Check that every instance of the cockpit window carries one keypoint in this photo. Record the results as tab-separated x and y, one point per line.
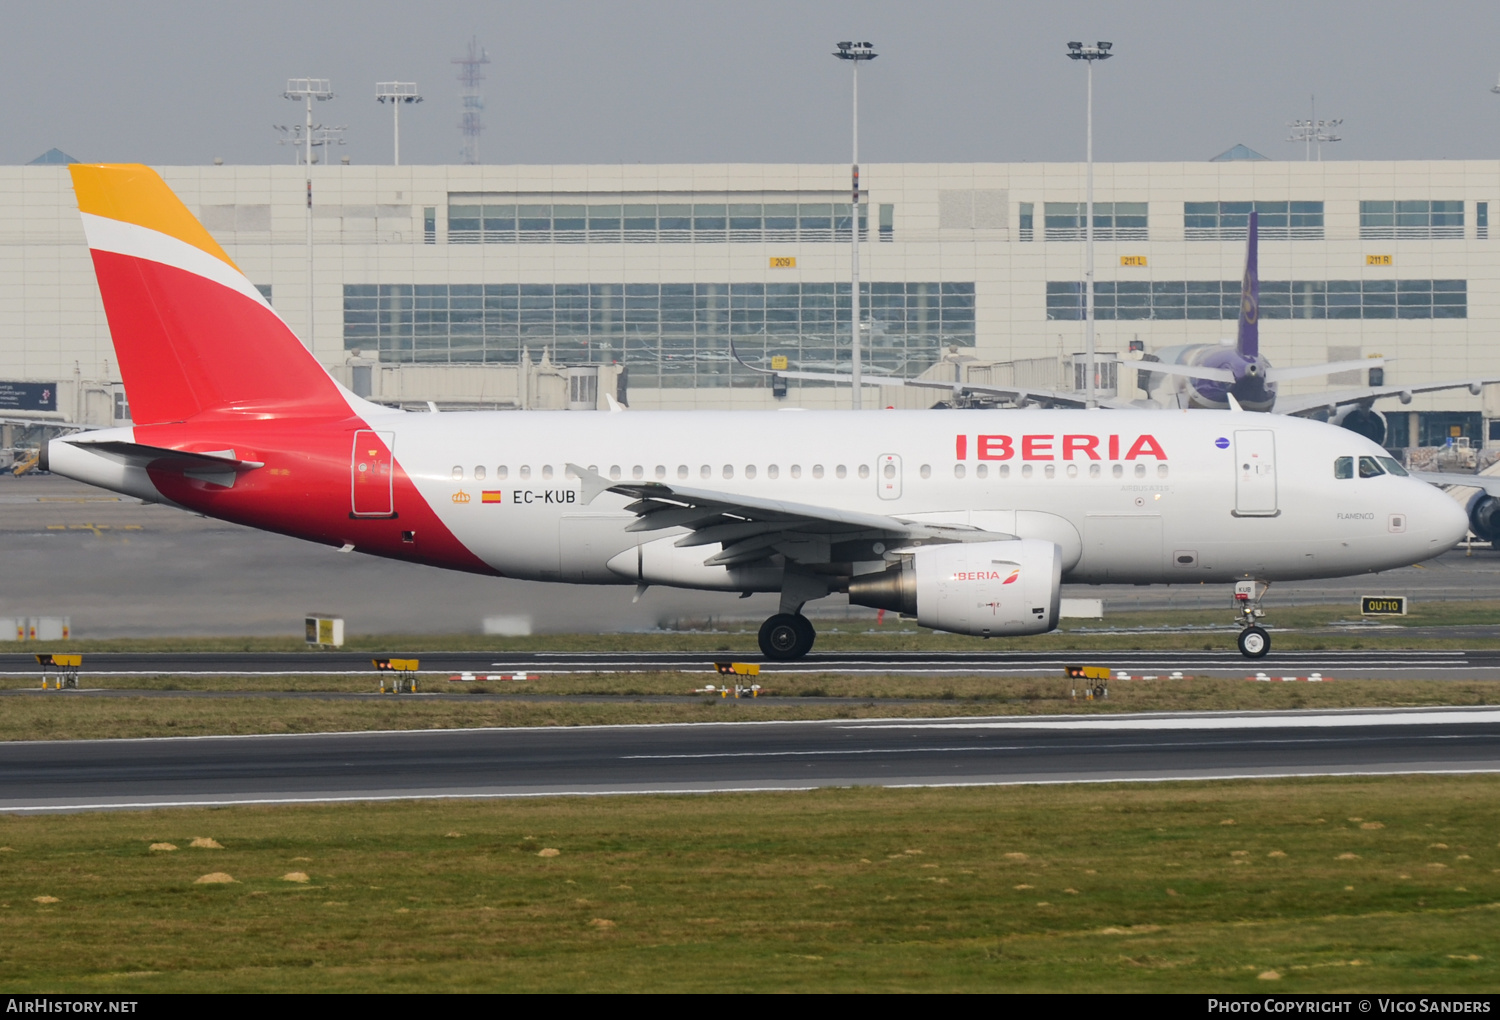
1343	467
1393	466
1369	467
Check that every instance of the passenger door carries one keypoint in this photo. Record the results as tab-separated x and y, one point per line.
1255	473
372	474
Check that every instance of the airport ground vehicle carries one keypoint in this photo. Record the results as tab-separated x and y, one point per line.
968	521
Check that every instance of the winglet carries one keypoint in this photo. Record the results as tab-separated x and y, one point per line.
1248	340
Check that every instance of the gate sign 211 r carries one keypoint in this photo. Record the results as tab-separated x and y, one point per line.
28	396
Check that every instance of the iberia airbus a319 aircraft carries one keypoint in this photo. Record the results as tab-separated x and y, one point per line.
970	521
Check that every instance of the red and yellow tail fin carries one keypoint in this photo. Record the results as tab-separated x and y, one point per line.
191	333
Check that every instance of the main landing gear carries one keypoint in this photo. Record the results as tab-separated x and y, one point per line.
1254	641
787	636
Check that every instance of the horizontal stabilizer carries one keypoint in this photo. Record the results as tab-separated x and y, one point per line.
220	467
1311	371
1222	375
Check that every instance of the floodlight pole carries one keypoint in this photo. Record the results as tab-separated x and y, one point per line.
308	89
1089	54
854	52
396	93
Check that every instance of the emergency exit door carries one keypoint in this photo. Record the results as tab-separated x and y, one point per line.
1255	467
372	473
888	476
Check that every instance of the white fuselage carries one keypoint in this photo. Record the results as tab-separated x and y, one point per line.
1180	508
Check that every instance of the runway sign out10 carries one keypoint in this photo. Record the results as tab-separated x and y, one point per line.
1382	605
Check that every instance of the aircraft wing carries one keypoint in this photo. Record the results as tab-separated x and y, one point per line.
1188	371
1328	368
1310	403
1018	394
1445	479
748	529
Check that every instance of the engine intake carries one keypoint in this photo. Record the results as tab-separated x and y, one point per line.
1484	516
986	589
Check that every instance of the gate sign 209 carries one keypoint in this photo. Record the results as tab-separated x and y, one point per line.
28	396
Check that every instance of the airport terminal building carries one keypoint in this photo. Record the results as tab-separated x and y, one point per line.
550	286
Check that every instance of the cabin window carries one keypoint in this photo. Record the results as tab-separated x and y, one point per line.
1369	467
864	470
958	471
1050	471
614	472
772	471
682	470
1393	466
1140	471
728	470
479	473
926	471
1026	471
547	471
705	472
661	471
458	473
981	470
1072	470
525	470
637	472
817	470
1118	470
1161	471
796	470
842	471
749	470
502	472
1094	471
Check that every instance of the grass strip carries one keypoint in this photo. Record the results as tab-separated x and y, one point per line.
1292	886
69	716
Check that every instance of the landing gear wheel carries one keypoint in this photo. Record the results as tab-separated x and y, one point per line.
1254	642
786	636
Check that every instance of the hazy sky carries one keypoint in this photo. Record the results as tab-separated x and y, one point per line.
655	81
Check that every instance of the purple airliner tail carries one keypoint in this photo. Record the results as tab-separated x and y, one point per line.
1248	341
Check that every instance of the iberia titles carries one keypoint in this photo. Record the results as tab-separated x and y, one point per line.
1054	447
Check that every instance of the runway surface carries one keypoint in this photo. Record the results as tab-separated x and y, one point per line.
1458	664
718	757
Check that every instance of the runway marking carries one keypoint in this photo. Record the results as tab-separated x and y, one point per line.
704	790
1178	745
1480	716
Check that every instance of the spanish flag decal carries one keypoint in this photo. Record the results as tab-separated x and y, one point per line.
491	496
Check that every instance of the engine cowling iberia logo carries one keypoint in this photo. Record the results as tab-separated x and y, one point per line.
987	575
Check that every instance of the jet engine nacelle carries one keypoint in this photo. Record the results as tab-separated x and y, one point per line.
1364	421
986	589
1484	516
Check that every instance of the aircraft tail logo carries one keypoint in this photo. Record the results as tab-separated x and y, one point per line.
1248	340
192	335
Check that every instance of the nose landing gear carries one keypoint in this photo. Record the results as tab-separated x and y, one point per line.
787	636
1254	641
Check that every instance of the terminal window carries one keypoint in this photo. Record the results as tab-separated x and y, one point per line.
666	334
1413	219
1279	299
1230	221
1113	221
483	221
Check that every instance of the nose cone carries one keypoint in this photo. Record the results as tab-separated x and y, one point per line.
1439	520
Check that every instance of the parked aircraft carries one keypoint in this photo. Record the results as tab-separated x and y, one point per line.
970	522
1207	376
